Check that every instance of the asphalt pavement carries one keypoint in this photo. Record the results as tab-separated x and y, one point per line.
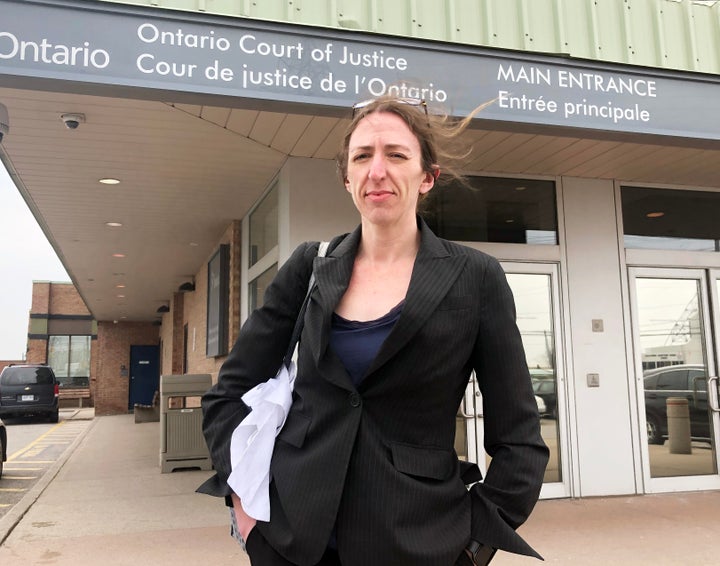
106	503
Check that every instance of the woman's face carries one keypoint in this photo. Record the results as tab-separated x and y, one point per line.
384	171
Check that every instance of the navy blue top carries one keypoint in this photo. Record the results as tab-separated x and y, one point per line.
357	343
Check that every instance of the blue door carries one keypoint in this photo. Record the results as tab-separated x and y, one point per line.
144	374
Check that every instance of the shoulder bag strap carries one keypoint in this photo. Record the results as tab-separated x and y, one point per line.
297	330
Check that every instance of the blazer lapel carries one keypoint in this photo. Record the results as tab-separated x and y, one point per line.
332	276
433	275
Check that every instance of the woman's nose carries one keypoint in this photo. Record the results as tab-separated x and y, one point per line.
377	167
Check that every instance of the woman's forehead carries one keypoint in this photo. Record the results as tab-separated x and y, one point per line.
387	127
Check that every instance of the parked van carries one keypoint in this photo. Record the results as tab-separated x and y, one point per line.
29	390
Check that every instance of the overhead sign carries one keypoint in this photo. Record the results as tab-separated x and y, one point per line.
129	46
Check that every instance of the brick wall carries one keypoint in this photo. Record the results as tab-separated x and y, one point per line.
235	235
64	299
111	383
195	309
40	297
36	351
178	322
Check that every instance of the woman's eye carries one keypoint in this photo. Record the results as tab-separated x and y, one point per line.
397	156
360	156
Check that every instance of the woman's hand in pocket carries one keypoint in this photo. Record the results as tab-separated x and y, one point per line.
245	522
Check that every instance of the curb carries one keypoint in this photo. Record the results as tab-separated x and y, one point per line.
15	515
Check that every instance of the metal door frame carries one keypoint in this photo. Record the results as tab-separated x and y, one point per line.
711	325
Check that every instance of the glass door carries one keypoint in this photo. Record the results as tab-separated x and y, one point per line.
536	294
673	311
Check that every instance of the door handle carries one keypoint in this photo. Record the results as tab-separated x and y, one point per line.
461	413
714	406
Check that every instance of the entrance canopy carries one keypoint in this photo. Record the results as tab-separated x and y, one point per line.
195	115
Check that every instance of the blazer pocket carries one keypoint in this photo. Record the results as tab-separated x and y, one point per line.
455	302
295	429
422	461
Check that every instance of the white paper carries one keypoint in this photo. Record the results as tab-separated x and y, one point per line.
253	440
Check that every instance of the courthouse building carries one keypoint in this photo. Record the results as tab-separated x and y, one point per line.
176	151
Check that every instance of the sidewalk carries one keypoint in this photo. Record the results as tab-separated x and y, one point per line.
109	504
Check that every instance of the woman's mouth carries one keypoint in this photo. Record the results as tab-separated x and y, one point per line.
378	195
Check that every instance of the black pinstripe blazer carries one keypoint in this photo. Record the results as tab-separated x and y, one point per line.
378	462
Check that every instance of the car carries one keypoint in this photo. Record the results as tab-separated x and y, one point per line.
545	389
543	383
29	389
686	381
3	446
542	408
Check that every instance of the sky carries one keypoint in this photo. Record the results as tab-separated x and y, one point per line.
25	256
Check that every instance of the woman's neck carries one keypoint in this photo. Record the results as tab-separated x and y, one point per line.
389	243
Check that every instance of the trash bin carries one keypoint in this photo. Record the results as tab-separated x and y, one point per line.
182	444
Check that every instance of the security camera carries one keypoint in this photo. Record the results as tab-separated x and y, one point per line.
4	122
72	121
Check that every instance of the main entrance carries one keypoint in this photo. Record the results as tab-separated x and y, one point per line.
676	332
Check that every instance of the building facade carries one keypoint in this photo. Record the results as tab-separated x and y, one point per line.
594	171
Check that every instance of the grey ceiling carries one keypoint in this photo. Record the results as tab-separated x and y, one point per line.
187	171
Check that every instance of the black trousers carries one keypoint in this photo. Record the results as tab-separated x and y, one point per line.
262	554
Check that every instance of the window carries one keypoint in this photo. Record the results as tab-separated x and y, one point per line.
218	295
263	253
264	227
27	376
69	357
258	286
494	209
666	219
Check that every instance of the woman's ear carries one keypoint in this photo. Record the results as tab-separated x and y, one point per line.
428	183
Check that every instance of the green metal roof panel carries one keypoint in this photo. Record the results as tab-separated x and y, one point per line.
673	34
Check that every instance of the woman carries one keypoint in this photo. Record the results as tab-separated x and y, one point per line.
364	471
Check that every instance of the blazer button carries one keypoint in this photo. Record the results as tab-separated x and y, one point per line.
355	399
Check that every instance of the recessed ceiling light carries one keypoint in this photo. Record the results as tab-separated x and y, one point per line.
109	181
118	255
509	221
113	224
120	296
655	214
194	244
521	188
120	286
